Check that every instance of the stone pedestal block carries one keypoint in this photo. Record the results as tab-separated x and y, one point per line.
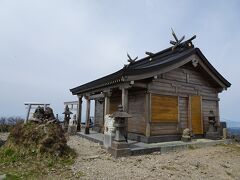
72	130
186	138
119	149
86	130
212	135
108	140
225	133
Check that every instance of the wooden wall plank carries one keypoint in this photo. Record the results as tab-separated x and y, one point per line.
183	112
136	108
114	102
163	129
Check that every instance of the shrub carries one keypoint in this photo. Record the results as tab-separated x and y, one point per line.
6	124
40	138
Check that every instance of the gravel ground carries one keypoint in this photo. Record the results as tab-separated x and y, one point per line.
218	162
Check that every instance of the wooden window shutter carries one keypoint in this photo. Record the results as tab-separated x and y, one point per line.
164	108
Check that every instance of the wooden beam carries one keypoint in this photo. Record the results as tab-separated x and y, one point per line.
140	85
71	102
33	103
102	88
96	96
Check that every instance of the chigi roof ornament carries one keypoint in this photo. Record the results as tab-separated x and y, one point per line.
178	42
130	60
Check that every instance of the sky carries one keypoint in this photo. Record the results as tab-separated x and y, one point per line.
50	46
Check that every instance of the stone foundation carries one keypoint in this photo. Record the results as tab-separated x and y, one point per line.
153	139
212	135
119	149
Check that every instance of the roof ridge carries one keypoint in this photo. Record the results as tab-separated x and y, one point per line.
165	52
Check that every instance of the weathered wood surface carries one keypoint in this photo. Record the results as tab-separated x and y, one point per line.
115	100
180	83
99	114
164	108
136	107
164	128
87	112
183	112
184	82
196	115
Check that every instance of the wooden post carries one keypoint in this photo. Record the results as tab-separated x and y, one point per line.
79	113
125	107
45	105
107	102
87	115
125	99
28	112
147	115
189	114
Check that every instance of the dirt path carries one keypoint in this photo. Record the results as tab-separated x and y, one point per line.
219	162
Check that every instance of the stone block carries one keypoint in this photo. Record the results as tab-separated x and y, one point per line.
108	140
212	135
119	149
72	130
186	138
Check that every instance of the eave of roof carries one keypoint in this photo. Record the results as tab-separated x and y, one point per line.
158	60
210	66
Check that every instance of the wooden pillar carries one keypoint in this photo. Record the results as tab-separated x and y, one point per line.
87	115
189	113
125	108
79	113
125	99
218	114
107	102
148	114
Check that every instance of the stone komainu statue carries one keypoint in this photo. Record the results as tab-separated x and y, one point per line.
186	132
186	136
48	114
41	115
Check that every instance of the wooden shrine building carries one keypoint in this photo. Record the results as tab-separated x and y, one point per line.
165	92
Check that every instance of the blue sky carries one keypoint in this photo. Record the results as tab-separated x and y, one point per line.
50	46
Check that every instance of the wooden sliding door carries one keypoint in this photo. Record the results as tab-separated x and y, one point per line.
196	114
